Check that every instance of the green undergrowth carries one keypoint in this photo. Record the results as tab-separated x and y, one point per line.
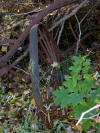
79	90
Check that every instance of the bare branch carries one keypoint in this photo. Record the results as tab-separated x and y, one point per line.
79	36
60	32
67	16
86	112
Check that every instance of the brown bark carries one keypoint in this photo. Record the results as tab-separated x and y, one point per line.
36	20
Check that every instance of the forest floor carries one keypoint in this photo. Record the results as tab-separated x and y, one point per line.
76	35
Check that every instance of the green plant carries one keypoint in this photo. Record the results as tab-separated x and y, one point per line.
2	93
57	127
76	90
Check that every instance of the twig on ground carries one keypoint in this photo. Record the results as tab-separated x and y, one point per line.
13	26
21	70
92	117
19	59
23	14
87	111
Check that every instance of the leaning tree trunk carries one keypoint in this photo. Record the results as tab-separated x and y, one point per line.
33	49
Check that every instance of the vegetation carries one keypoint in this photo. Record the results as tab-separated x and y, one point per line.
50	66
76	91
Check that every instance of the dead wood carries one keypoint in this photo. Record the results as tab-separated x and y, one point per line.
4	59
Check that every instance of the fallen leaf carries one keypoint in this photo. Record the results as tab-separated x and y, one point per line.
33	101
4	49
